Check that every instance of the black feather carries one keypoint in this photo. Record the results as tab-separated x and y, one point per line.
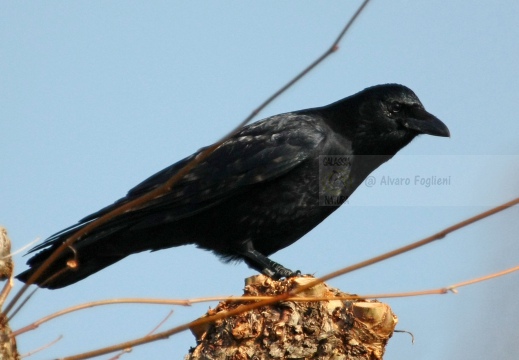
258	192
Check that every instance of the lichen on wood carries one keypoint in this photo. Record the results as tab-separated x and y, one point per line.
325	329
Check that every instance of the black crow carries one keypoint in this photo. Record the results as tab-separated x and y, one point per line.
258	192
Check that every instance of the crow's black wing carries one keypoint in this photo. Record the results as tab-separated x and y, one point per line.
257	153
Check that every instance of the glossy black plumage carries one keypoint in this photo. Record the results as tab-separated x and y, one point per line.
258	192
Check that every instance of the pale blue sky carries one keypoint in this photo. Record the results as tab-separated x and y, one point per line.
96	96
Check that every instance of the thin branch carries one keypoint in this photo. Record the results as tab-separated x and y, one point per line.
334	47
189	302
23	248
125	351
92	304
166	334
42	347
6	289
483	278
161	323
449	289
283	297
180	174
401	250
27	298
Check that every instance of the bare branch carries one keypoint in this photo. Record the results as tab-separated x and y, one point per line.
22	249
125	351
483	278
189	302
180	174
27	298
248	307
6	290
92	304
46	346
401	250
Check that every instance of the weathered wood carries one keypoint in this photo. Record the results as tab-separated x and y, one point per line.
330	329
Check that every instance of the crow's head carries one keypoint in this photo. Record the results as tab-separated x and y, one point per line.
384	118
394	108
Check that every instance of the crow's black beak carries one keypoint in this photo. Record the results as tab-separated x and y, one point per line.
425	123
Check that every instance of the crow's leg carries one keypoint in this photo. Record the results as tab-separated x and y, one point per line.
263	264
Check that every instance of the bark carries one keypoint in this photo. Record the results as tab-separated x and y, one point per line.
8	350
330	329
6	261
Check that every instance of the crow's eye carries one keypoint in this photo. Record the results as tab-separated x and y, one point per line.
395	107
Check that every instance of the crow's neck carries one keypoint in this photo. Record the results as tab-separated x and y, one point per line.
370	150
344	118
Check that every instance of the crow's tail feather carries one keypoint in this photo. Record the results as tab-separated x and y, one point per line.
83	258
59	274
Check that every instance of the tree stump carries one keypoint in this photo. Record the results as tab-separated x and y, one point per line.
324	329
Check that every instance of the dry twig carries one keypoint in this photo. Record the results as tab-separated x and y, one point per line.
46	346
188	302
285	296
160	191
